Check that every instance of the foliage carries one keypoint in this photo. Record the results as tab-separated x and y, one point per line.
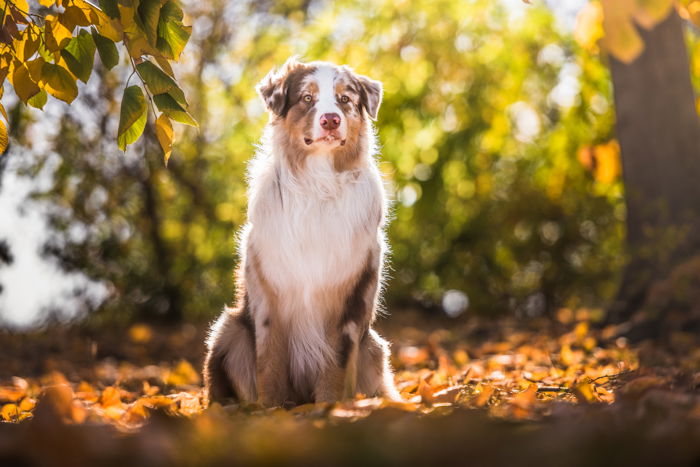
614	23
495	138
469	390
47	47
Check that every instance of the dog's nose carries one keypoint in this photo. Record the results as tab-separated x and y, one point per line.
330	121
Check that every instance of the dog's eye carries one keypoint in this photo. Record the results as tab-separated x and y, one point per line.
344	99
308	98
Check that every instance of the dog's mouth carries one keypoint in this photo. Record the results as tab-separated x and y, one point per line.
330	138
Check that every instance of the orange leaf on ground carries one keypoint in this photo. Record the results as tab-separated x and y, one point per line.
110	397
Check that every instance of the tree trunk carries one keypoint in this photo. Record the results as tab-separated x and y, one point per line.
659	135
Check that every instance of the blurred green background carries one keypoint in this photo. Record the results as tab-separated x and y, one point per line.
497	146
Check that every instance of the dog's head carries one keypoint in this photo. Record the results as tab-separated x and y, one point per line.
321	107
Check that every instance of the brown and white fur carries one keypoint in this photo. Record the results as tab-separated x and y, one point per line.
312	250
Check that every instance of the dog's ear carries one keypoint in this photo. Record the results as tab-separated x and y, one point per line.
274	87
370	95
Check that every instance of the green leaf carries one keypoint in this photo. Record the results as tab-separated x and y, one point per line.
59	83
148	12
132	118
38	100
164	133
172	34
107	50
110	8
172	109
159	82
79	55
44	52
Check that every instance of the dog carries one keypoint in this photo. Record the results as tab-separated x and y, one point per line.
312	251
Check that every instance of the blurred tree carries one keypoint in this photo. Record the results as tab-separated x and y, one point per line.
485	115
659	134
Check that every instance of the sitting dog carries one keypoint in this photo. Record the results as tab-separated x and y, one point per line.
311	252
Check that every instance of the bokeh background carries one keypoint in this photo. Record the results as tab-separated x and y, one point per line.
497	147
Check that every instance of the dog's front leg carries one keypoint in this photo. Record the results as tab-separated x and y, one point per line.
272	368
340	379
271	344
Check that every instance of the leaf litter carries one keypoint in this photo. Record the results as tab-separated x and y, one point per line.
465	388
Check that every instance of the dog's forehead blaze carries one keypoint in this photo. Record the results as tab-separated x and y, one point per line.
329	80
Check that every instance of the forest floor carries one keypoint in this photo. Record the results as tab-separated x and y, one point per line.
478	392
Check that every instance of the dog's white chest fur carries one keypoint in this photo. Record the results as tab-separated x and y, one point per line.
313	231
315	226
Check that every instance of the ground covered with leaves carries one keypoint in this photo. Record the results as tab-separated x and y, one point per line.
559	392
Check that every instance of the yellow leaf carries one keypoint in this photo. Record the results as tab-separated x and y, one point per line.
9	412
20	4
589	26
523	401
164	133
110	397
4	141
622	39
157	401
28	45
35	70
691	12
87	393
140	333
566	356
57	34
108	27
74	16
10	393
27	404
137	412
126	13
114	412
182	374
485	395
584	392
651	12
607	160
188	404
24	86
581	330
47	3
527	397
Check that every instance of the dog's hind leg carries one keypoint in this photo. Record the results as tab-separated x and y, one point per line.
229	367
